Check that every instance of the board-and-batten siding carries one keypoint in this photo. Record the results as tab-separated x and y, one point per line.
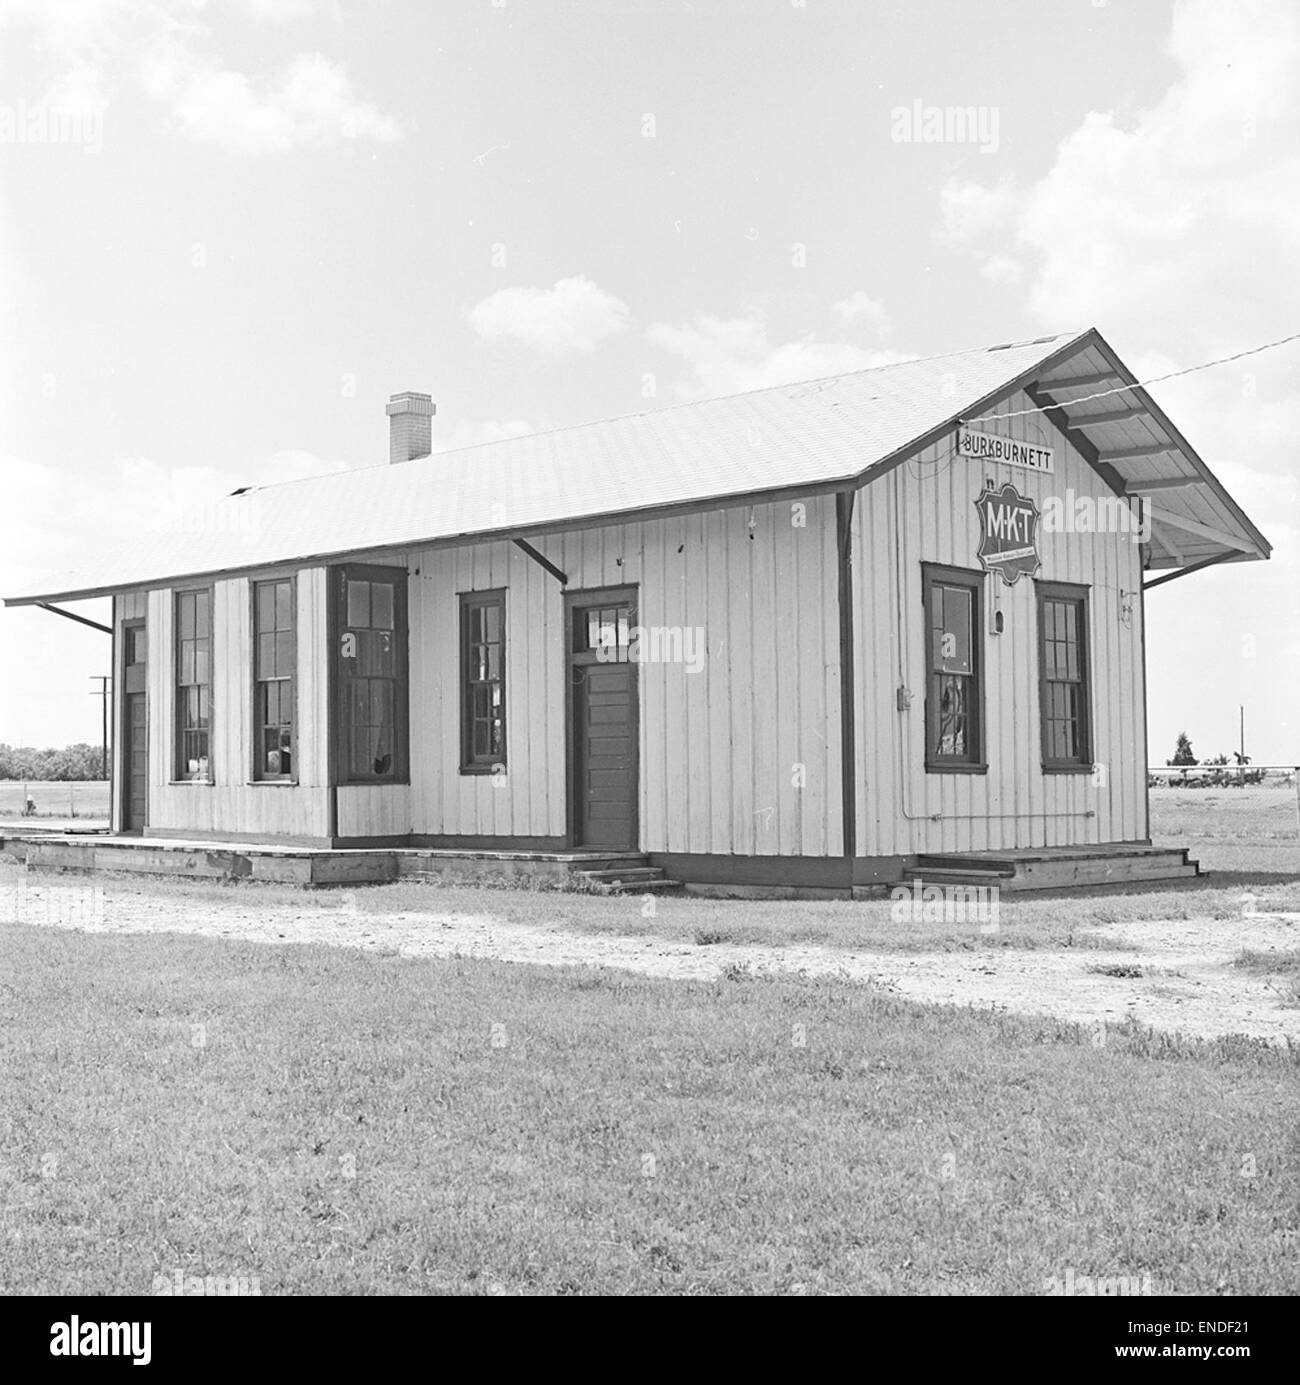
741	757
924	510
232	804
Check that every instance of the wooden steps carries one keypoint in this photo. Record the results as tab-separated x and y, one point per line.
1060	868
634	875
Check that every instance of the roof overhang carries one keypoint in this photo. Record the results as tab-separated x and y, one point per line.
1130	439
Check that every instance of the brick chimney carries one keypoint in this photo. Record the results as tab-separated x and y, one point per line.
410	426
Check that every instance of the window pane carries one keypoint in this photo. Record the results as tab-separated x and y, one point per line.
187	662
359	605
381	605
952	730
266	656
201	627
283	655
202	673
284	605
953	651
492	621
265	607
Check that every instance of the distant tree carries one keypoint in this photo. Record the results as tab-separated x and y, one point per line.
1183	752
72	762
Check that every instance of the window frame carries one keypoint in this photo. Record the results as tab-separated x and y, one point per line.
339	576
259	774
1079	594
470	763
179	759
938	574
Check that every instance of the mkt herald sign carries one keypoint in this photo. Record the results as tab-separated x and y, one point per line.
988	447
1008	533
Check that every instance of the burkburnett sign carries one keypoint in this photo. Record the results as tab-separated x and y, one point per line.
1008	524
988	447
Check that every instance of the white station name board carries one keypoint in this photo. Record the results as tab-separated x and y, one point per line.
988	447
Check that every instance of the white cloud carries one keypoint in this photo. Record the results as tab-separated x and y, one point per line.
1170	227
971	210
93	47
731	355
311	106
859	309
576	315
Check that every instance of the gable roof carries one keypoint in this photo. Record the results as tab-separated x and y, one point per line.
787	440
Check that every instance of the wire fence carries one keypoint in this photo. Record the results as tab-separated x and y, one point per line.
37	800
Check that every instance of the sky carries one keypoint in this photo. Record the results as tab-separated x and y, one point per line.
229	231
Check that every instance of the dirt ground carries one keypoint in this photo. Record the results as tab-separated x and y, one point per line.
1187	984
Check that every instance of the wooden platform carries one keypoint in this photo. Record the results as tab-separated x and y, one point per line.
1056	867
1050	868
309	867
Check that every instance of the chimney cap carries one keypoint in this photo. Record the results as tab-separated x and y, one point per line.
410	402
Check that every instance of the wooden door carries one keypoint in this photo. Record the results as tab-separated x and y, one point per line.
135	719
603	726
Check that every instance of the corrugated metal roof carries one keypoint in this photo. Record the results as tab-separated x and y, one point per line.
789	438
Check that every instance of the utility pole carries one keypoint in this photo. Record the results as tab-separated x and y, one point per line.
104	680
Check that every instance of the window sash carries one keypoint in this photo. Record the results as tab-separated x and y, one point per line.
192	622
274	606
483	680
1064	708
954	673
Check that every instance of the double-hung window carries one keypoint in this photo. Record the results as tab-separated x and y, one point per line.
193	640
1065	713
954	692
274	680
483	682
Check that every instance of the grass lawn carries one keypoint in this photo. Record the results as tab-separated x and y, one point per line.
355	1123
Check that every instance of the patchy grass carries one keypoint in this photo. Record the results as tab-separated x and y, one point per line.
343	1123
1051	922
1281	969
1120	970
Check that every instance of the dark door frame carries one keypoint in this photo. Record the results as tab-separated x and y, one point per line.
123	750
577	600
